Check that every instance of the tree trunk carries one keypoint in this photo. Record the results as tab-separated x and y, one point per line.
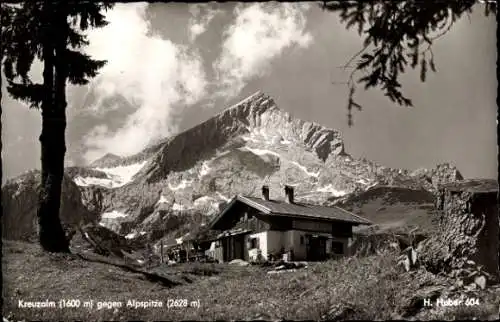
51	234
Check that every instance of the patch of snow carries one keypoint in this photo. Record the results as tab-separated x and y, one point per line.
262	132
125	171
331	189
110	224
178	207
250	138
113	215
131	235
162	200
179	240
92	181
363	181
151	218
220	154
202	200
108	219
285	142
140	261
223	197
260	135
122	175
183	185
260	152
142	233
80	181
276	139
214	204
303	168
205	169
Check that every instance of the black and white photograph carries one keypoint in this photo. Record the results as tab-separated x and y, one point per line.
170	161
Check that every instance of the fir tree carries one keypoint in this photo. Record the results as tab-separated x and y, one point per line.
51	31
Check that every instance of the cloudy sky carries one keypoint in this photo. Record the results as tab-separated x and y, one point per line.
171	66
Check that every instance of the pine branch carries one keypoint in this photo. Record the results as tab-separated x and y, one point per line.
32	94
395	30
89	14
81	67
76	39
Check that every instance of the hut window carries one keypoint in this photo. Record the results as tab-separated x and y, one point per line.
254	243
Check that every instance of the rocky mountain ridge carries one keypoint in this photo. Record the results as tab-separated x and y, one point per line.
181	181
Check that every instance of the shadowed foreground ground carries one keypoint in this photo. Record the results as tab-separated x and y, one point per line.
372	286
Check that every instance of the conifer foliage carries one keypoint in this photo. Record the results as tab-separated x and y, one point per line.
397	34
53	33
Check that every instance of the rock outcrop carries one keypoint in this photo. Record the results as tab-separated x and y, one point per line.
469	228
19	202
442	174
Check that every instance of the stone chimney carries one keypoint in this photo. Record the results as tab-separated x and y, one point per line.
265	192
289	194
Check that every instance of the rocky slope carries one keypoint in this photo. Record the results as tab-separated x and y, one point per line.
181	181
19	202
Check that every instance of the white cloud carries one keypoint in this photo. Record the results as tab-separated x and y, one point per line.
159	78
152	74
260	33
202	15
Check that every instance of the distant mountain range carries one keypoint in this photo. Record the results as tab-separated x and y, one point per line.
178	183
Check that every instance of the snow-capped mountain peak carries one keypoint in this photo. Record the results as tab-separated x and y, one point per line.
194	173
